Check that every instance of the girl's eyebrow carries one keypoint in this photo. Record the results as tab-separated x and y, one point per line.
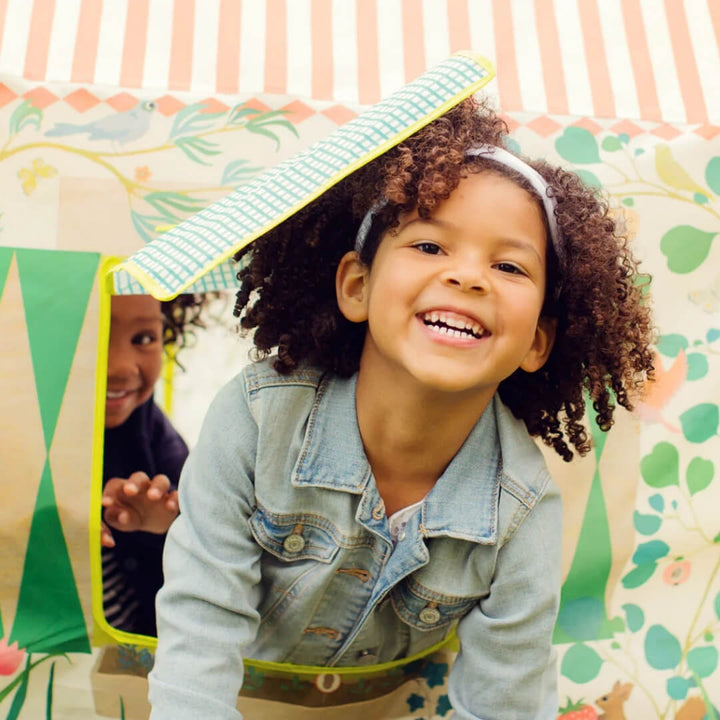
449	225
522	245
427	221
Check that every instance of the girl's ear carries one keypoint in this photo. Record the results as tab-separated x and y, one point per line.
542	344
350	287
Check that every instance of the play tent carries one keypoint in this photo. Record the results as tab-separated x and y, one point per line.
121	118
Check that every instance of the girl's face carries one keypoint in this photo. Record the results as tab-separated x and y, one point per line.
135	355
453	302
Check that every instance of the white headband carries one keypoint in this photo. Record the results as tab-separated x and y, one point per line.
499	155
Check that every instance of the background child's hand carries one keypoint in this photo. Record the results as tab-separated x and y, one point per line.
138	503
106	538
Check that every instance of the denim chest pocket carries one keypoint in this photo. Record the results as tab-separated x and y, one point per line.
425	609
294	537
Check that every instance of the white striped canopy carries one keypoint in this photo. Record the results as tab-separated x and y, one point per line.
652	60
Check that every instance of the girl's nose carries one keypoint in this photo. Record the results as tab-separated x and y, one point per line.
467	277
121	362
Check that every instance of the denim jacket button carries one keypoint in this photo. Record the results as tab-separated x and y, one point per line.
366	657
429	615
294	543
378	511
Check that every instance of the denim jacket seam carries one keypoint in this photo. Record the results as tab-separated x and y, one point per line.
318	521
321	388
526	504
262	381
458	535
250	395
528	494
518	517
418	589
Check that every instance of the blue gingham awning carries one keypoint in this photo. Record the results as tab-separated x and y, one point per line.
196	255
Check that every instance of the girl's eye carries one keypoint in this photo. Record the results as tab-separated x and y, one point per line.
429	248
510	268
144	338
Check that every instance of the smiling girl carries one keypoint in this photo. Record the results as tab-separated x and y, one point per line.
371	484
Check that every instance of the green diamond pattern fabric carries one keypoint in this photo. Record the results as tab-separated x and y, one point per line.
204	242
583	614
5	260
54	312
6	255
49	617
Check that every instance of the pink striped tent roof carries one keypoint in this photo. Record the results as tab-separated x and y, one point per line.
654	60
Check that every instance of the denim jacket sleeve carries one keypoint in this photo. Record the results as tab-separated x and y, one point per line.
206	609
506	667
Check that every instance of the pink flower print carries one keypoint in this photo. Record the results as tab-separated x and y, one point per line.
11	657
677	572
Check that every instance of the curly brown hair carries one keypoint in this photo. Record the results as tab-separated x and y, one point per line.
180	316
604	332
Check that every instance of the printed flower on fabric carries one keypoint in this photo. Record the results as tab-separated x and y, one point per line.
443	706
434	674
415	702
677	572
142	174
11	657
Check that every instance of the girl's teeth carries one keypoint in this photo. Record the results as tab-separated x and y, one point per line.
443	330
456	327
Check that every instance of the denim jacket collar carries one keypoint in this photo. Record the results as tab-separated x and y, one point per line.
472	480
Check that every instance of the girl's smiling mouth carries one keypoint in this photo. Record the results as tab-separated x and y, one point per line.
117	394
453	325
120	400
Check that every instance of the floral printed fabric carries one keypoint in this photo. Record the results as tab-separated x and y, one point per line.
417	690
639	625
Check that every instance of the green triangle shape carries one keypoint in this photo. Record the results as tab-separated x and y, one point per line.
5	260
599	437
55	287
49	617
584	588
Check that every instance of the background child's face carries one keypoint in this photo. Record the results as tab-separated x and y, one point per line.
135	355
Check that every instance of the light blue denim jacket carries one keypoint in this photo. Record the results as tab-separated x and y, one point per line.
282	552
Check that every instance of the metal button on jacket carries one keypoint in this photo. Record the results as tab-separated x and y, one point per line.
378	511
429	615
294	543
367	657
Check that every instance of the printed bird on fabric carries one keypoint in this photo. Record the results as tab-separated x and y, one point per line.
121	128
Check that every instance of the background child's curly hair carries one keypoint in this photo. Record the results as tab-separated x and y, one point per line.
604	328
180	316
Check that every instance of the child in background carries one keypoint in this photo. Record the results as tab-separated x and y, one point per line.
373	485
143	456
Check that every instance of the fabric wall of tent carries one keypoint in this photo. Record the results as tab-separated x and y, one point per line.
120	117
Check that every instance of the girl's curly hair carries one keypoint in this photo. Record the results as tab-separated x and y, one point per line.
604	328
